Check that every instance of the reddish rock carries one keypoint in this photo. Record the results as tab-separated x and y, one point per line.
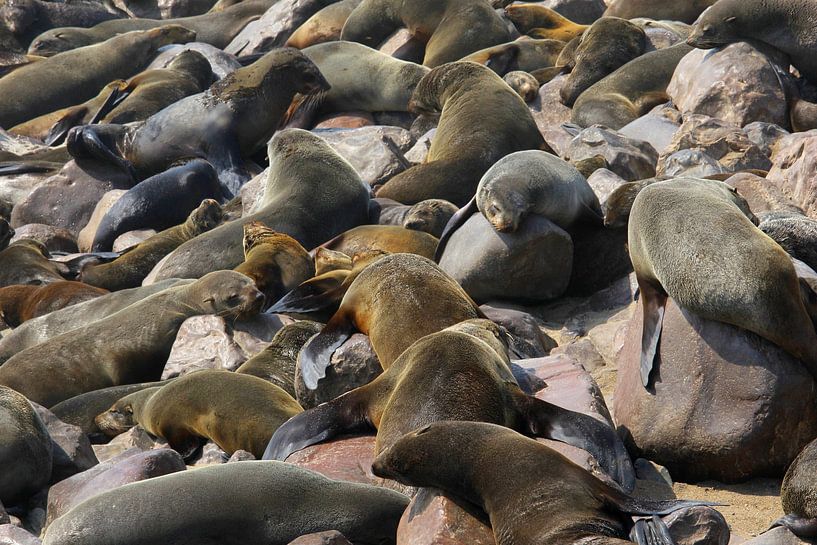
322	538
761	194
349	120
367	150
549	114
14	535
54	238
346	459
433	519
105	203
724	404
72	449
794	169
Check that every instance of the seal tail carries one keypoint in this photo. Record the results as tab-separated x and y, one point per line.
580	430
653	302
316	354
456	221
800	526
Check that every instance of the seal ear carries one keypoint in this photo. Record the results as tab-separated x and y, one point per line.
544	419
653	302
456	221
317	353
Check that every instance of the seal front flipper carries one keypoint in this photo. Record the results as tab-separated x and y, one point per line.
313	295
651	531
85	143
317	353
456	221
57	133
799	526
344	414
580	430
653	302
118	94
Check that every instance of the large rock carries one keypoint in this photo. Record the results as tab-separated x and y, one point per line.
72	449
737	83
14	535
724	403
761	194
346	459
765	135
629	158
136	437
794	169
17	188
331	537
531	264
691	162
131	238
777	536
604	182
434	519
579	11
352	365
657	127
129	467
86	236
698	526
367	150
549	114
54	238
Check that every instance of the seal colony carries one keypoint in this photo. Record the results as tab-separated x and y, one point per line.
245	230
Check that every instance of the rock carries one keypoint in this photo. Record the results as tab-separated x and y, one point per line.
532	264
211	454
136	437
604	182
241	456
629	158
346	459
17	188
366	149
697	526
738	84
583	12
253	192
275	27
86	236
221	63
765	135
794	169
68	198
400	38
14	535
550	114
352	365
777	536
691	162
661	35
727	144
331	537
600	258
72	450
4	516
418	152
131	466
646	470
54	238
724	404
582	351
433	519
131	238
528	340
349	120
657	127
761	194
211	342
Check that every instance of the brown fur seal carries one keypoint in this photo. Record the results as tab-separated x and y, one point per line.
461	372
451	29
481	121
629	92
606	46
544	22
275	261
21	303
786	25
6	233
233	119
127	347
327	260
537	496
619	203
76	76
324	26
429	216
798	494
236	411
128	270
216	29
312	194
525	55
525	84
738	275
797	234
660	10
25	19
26	262
276	362
383	238
26	450
269	502
400	292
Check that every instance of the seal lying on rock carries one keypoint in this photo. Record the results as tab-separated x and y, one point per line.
799	494
19	304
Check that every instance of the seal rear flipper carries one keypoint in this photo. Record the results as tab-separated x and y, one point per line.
309	297
799	526
118	94
580	430
342	415
456	221
653	303
317	353
651	531
84	143
75	265
57	133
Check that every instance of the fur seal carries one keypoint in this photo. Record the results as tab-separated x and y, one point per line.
45	327
128	270
234	118
460	372
481	121
451	29
22	303
26	262
216	29
738	275
6	233
275	261
324	26
25	19
629	92
127	347
160	202
797	234
76	76
659	10
525	55
312	194
400	292
26	450
538	497
525	84
429	216
798	494
383	238
270	502
786	25
541	22
329	260
236	411
608	44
